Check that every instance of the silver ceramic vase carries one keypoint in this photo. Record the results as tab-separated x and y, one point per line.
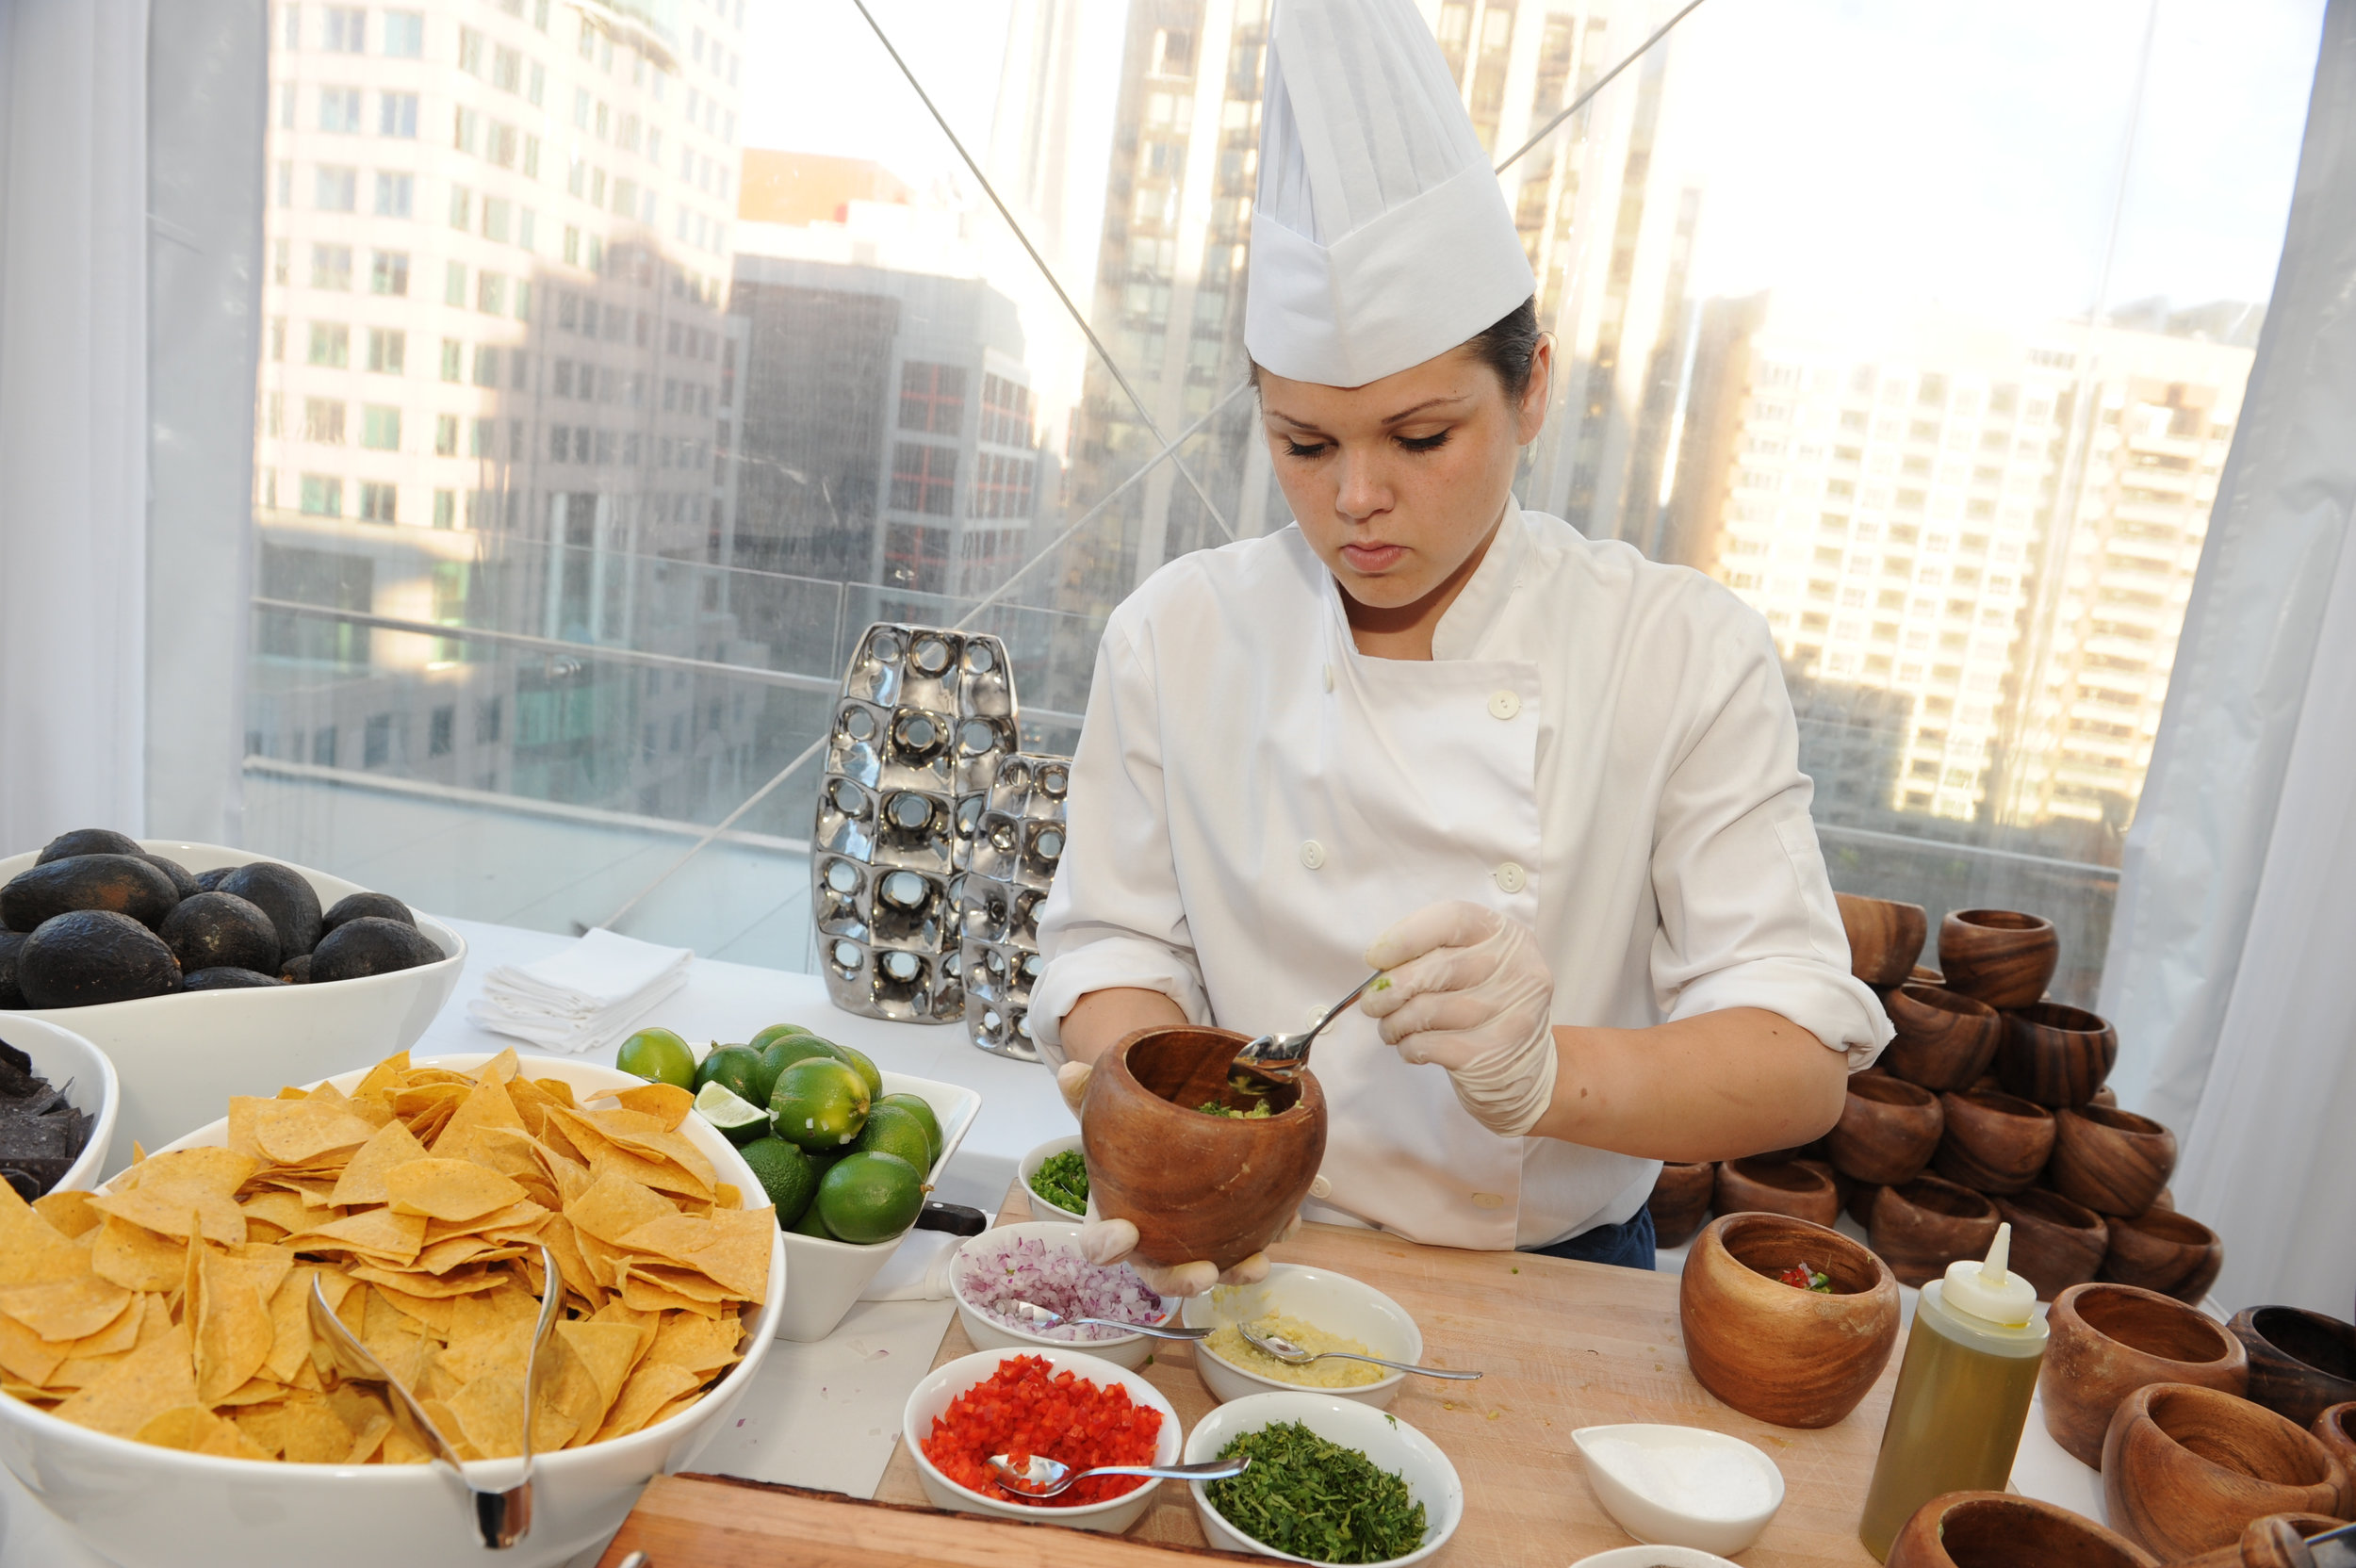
1016	843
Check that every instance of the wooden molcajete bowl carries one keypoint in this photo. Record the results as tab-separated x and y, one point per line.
2003	956
2161	1249
1785	1187
2185	1469
1922	1227
1680	1202
1997	1530
1792	1356
1886	1131
2055	1243
1944	1040
2107	1341
2055	1055
2335	1428
1195	1186
1993	1142
2299	1361
1885	937
2277	1541
2114	1162
1859	1202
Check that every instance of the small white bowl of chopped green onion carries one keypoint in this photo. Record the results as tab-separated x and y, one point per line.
1331	1480
1317	1310
1055	1180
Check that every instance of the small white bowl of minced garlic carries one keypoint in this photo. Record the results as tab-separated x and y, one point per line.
1315	1309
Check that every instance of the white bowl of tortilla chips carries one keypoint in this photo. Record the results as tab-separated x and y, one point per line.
165	1448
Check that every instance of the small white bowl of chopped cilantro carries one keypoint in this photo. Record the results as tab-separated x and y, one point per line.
1055	1180
1041	1263
1331	1480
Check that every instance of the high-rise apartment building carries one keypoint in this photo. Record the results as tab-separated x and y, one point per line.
1997	526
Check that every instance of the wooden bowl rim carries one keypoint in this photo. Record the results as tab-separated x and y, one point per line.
1902	1190
1925	993
2110	1118
2045	1197
2007	1506
1117	1058
2322	1323
1891	903
2150	1402
1732	1225
2060	1018
2342	1416
1999	920
1884	1089
1749	1168
2074	1298
2156	1221
2014	1107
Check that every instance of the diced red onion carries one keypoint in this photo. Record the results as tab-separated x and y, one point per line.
997	1272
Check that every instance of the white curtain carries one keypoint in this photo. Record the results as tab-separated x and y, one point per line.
2227	969
73	424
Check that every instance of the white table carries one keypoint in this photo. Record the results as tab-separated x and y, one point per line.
828	1414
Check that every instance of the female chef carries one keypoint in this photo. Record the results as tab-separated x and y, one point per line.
1550	786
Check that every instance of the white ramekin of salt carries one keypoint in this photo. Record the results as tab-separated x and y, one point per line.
1681	1486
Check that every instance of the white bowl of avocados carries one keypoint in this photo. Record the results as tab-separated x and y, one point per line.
179	1048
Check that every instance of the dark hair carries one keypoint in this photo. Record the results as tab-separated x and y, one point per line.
1506	345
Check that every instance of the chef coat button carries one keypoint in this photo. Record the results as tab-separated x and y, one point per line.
1320	1189
1509	877
1329	677
1504	705
1312	853
1487	1200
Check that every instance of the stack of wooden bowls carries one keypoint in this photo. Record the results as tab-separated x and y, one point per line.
1988	1108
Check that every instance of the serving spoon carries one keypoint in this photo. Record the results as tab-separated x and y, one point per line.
1052	1478
1040	1318
503	1515
1284	1057
1280	1348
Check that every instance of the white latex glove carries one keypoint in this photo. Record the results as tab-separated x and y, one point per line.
1111	1241
1466	988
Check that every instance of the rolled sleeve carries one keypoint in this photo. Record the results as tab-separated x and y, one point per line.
1114	916
1747	916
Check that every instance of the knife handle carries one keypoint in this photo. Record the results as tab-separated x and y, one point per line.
956	1218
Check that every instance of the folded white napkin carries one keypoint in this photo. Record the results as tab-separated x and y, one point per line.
585	998
917	1270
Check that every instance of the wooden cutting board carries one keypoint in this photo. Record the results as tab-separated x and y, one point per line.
1564	1345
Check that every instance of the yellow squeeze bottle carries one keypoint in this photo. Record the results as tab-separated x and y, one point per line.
1963	1393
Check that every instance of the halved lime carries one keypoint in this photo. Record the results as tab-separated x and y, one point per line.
736	1068
780	1053
892	1129
785	1176
819	1103
870	1197
659	1056
739	1119
919	1107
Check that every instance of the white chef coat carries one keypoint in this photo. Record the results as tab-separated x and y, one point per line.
1600	747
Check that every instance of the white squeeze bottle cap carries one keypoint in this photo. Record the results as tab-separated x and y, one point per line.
1987	1290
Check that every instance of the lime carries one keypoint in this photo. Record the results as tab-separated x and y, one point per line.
870	1197
780	1054
739	1119
866	1068
734	1067
919	1107
785	1176
659	1056
774	1033
820	1103
891	1130
810	1225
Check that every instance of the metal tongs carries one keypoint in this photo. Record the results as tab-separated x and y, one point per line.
1284	1057
503	1516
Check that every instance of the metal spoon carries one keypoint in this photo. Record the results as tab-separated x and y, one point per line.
1283	1057
1040	1318
1283	1349
1050	1478
504	1517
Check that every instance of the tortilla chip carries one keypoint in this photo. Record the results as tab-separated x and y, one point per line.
295	1131
377	1230
65	1309
26	1356
315	1434
136	1258
32	1251
732	1247
157	1377
614	1206
448	1190
703	1345
67	1212
173	1206
362	1180
650	1389
490	1414
666	1102
234	1328
194	1429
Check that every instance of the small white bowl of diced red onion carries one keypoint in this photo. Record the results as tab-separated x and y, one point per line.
1040	1261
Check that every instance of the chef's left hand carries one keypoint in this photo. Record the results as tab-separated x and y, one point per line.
1466	986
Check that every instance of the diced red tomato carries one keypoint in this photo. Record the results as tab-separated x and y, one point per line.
1025	1408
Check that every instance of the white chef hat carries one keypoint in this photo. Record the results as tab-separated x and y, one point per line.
1379	238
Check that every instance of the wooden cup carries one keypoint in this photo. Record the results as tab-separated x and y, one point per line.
1922	1227
2335	1428
2002	956
1784	1355
1998	1529
1886	1131
2185	1469
2276	1541
2106	1341
1196	1186
1680	1202
1992	1143
2161	1249
2300	1361
1885	937
2055	1243
2055	1055
2114	1162
1944	1038
1758	1186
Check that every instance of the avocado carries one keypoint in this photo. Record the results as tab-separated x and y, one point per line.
285	897
87	840
183	884
382	904
123	883
9	943
297	970
209	881
228	979
370	945
93	955
220	931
